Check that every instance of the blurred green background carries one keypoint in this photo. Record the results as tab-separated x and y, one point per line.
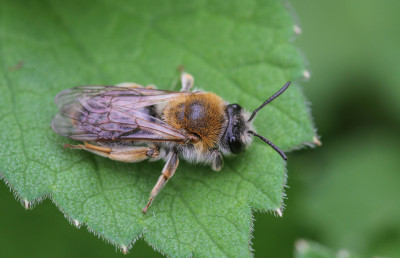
344	195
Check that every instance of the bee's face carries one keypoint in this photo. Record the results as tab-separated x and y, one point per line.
236	137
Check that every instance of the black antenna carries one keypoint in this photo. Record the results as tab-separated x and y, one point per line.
270	144
269	100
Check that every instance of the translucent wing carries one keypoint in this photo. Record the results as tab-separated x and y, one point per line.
109	113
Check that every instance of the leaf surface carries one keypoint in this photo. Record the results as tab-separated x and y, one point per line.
241	51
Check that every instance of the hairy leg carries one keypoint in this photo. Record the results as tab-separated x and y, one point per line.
187	81
124	154
135	85
218	160
167	172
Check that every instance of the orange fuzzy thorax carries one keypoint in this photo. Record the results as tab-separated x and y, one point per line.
201	114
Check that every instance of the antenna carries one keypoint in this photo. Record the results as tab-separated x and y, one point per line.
269	100
269	143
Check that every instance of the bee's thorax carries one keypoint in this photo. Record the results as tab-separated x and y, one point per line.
199	114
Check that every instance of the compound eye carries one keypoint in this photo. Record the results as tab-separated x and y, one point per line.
235	127
235	145
237	108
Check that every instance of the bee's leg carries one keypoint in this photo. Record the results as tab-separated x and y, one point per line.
217	161
187	81
134	154
167	172
129	85
151	87
135	85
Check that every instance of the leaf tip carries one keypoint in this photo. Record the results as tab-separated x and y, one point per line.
76	223
124	249
27	204
297	30
306	74
302	246
279	212
317	141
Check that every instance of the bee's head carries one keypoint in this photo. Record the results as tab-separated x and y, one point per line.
236	137
239	128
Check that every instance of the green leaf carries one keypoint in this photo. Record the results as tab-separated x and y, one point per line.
241	51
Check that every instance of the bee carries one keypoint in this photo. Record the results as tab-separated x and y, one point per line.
132	123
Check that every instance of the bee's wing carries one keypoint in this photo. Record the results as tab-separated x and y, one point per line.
72	94
109	113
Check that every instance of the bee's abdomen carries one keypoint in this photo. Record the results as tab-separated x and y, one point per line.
201	114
